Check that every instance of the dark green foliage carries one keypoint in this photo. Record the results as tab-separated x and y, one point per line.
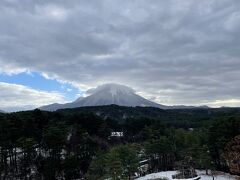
220	133
177	118
75	143
49	145
120	162
161	153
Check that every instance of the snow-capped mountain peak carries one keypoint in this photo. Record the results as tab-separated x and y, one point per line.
114	94
107	94
113	89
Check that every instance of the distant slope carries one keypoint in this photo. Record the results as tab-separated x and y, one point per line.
179	117
111	94
1	111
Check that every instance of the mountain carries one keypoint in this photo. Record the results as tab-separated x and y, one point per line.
2	111
115	94
108	94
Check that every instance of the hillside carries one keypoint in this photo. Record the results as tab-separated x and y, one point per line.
77	142
2	111
172	117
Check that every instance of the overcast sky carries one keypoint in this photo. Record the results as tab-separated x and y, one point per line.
169	51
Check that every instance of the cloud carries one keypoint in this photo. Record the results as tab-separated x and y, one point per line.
172	51
229	102
18	97
51	12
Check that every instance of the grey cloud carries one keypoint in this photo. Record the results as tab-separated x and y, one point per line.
178	52
18	97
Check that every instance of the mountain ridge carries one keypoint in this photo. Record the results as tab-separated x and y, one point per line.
109	94
1	111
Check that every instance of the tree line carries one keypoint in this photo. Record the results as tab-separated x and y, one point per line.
58	145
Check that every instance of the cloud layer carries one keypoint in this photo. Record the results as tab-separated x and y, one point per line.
170	51
17	97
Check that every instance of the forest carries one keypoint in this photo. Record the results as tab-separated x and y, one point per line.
79	143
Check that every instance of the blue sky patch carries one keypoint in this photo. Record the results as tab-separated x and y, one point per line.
36	81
